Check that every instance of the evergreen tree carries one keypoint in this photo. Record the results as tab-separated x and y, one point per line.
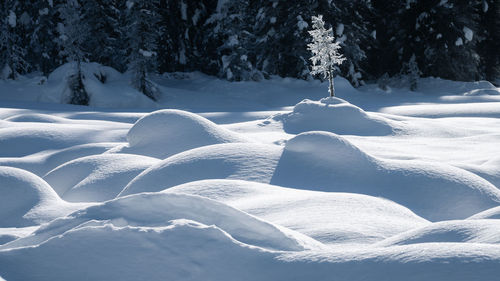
489	40
325	50
439	33
142	41
233	42
12	50
353	26
183	45
43	43
74	32
103	18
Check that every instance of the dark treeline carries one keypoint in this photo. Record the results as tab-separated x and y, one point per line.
251	40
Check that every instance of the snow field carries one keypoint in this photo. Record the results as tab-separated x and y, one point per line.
321	189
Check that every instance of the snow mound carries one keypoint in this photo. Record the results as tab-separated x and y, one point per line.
105	86
335	115
43	162
166	132
328	217
26	199
493	213
469	231
329	147
98	177
328	162
245	161
36	117
157	210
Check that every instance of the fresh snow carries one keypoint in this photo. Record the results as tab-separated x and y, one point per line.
248	180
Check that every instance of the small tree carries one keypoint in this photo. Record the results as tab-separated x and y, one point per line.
325	51
413	72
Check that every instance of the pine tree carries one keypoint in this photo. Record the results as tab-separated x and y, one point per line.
12	50
43	43
413	72
489	40
440	34
183	40
233	42
103	18
73	35
142	41
325	50
354	29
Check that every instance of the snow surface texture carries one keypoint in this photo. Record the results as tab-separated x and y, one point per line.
255	181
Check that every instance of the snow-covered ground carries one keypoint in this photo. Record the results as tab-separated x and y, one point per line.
249	181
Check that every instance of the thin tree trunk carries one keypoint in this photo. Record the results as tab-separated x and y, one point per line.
331	89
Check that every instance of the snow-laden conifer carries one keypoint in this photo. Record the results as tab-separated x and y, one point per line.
326	54
142	33
12	51
74	32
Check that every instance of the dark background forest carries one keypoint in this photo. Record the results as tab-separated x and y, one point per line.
252	40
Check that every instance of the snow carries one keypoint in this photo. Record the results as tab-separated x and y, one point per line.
96	178
298	210
468	33
27	200
166	132
301	23
248	180
344	118
340	29
12	19
472	231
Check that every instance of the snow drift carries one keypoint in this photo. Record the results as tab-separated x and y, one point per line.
493	213
188	250
155	210
328	217
245	161
105	86
26	199
465	231
166	132
42	162
31	137
98	177
327	162
434	191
